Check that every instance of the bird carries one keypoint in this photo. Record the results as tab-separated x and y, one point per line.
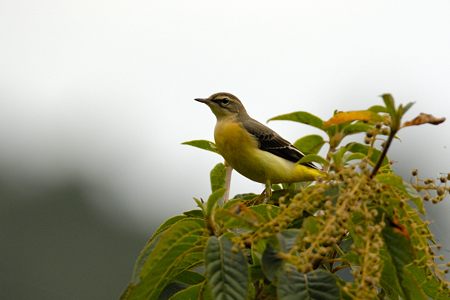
253	149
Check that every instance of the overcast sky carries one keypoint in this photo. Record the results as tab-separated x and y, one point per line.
103	90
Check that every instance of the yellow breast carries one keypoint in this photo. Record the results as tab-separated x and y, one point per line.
240	150
237	146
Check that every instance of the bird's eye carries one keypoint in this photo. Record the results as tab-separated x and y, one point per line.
225	101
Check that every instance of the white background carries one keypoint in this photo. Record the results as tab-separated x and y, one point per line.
103	90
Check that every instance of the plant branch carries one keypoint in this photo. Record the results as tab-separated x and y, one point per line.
383	154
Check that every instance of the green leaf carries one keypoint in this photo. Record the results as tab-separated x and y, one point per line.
316	285
181	282
310	144
338	156
390	104
257	251
287	238
378	109
189	277
389	278
191	293
256	274
270	262
177	249
357	127
200	204
217	177
427	282
404	187
266	212
354	156
415	197
213	199
312	158
283	242
145	252
226	269
237	215
360	148
301	117
311	226
391	179
400	250
202	144
166	224
194	213
407	107
246	197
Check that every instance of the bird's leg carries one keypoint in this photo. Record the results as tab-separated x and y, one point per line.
228	169
268	191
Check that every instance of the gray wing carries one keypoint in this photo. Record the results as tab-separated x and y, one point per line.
272	142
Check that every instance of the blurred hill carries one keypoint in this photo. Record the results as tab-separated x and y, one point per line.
54	246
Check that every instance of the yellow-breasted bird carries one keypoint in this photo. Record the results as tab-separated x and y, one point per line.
253	149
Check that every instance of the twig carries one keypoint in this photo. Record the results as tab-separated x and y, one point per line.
383	154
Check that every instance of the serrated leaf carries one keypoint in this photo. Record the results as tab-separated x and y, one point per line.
350	116
310	144
301	117
177	249
202	144
217	177
191	293
312	158
316	285
145	252
226	269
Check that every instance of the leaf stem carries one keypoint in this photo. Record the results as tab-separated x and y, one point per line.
383	154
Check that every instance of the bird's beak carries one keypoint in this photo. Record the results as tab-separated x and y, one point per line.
202	100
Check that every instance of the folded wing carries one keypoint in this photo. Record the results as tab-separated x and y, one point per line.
272	142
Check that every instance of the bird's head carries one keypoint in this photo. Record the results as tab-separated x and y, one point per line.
224	105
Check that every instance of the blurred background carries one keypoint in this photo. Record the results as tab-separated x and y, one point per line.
96	97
